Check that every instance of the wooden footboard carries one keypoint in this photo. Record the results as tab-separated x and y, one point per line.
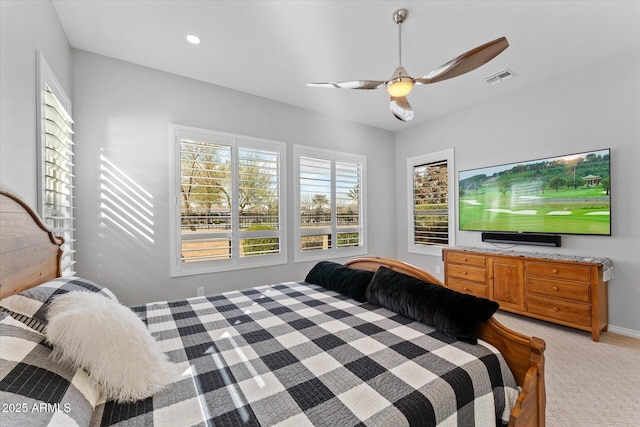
524	355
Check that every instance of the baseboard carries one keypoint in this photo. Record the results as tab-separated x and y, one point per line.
624	331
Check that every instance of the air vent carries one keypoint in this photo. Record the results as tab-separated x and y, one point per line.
500	76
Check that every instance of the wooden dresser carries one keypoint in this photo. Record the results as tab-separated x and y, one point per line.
567	290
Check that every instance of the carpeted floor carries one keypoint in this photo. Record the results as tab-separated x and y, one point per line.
588	383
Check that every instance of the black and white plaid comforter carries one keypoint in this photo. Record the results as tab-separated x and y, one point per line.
295	354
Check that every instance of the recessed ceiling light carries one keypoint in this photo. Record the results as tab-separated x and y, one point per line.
193	39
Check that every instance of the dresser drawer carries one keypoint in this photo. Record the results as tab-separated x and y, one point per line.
577	313
464	258
559	289
559	271
473	288
468	273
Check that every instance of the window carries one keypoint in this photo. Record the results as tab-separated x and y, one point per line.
330	214
431	215
55	161
228	192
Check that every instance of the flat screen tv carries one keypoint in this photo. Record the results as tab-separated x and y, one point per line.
568	194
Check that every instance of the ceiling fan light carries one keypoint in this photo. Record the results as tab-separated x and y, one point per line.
400	87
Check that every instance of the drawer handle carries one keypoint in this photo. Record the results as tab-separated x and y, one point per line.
464	273
554	271
465	289
464	259
555	308
555	288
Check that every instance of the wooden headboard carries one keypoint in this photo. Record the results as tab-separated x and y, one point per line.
30	254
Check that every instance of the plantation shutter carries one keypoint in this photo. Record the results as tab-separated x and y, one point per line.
430	204
230	202
330	204
205	200
57	207
315	204
348	204
259	195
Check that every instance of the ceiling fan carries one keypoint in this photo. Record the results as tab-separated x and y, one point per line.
401	83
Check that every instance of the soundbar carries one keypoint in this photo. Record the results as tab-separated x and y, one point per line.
523	239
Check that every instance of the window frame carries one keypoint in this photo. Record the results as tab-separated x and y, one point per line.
46	77
333	157
412	162
235	141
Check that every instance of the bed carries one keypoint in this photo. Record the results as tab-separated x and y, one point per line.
293	353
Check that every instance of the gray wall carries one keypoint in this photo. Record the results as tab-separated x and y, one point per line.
26	27
587	109
122	114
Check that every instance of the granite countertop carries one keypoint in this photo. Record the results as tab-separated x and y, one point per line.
607	263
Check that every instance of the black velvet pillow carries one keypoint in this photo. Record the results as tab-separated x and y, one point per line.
453	313
337	277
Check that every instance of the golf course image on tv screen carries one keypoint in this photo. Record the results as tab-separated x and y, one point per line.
569	194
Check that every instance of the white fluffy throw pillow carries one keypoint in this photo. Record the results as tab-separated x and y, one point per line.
111	343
